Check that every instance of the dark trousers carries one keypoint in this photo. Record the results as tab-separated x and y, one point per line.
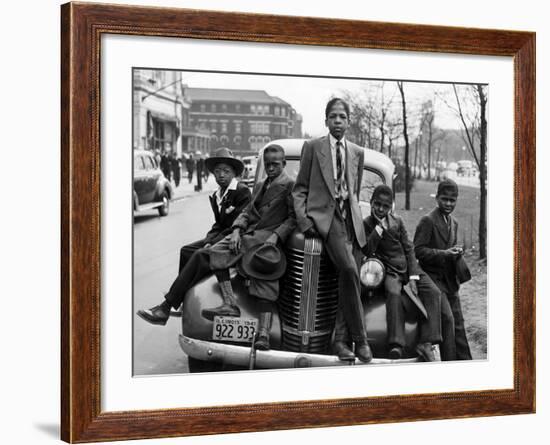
344	252
188	250
429	295
460	339
197	268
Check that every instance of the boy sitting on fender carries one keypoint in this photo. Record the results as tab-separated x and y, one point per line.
388	241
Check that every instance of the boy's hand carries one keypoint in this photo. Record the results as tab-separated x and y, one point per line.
273	238
453	251
235	241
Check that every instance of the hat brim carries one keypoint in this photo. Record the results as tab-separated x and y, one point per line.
277	272
235	163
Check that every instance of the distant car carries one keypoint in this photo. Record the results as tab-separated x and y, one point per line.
249	172
151	188
465	168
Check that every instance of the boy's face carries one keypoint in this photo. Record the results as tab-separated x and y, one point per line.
337	120
446	201
381	205
274	163
223	173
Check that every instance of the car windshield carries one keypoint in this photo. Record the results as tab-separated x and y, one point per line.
371	178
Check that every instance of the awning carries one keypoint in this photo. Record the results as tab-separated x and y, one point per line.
163	116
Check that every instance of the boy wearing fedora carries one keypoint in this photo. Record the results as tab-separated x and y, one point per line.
254	246
436	248
227	202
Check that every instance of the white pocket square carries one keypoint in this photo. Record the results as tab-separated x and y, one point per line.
229	209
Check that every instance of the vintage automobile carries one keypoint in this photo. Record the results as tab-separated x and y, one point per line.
151	189
305	313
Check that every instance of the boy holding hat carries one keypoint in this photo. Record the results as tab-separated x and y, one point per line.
388	241
227	202
254	246
436	248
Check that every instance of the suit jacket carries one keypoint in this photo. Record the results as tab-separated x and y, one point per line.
267	213
232	205
431	238
393	248
314	191
272	211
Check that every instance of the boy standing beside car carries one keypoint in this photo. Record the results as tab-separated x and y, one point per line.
436	248
326	203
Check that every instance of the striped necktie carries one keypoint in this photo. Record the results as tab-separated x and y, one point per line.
339	175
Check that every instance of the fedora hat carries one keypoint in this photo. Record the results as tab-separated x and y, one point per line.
264	261
223	154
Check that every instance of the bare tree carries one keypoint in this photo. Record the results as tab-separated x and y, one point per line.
476	124
406	137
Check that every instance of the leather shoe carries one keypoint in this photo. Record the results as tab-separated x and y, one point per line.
156	315
425	352
225	310
396	352
343	352
363	352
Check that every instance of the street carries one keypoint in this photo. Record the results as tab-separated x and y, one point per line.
157	241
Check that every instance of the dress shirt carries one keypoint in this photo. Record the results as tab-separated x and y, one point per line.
219	195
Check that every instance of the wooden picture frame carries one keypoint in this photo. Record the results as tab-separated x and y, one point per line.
82	26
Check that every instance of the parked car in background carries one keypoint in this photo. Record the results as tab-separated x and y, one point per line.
305	313
465	168
249	171
151	188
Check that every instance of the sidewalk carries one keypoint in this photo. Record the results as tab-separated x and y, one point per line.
185	189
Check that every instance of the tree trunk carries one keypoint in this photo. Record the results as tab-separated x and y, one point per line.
406	137
482	174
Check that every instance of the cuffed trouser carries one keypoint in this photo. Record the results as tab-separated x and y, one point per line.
460	339
429	295
344	253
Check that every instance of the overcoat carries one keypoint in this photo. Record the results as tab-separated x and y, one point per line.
270	211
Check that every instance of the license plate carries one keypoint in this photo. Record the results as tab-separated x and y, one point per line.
234	329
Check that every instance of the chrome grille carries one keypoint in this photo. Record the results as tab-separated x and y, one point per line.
309	300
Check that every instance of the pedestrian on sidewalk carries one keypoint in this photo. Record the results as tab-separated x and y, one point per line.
190	165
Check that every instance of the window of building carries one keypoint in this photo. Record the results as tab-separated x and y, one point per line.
213	126
283	111
224	140
253	109
214	138
237	108
237	140
224	127
276	111
237	127
213	108
203	108
224	108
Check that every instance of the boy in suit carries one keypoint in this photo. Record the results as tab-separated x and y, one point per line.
435	247
266	222
388	241
227	202
326	200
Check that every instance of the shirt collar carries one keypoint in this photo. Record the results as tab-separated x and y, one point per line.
333	141
232	186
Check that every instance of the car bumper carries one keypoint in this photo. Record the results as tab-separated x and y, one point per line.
272	359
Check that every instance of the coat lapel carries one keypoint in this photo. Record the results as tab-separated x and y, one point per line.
214	207
352	158
325	162
274	189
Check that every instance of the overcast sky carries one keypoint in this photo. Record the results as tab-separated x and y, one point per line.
309	95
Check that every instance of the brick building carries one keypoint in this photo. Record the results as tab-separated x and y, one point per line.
243	120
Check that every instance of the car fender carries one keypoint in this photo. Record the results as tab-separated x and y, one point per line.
163	185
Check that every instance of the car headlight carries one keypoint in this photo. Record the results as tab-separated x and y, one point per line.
372	273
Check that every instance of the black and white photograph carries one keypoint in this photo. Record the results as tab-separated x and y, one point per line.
306	221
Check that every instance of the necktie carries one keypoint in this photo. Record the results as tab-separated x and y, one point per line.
339	171
339	163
